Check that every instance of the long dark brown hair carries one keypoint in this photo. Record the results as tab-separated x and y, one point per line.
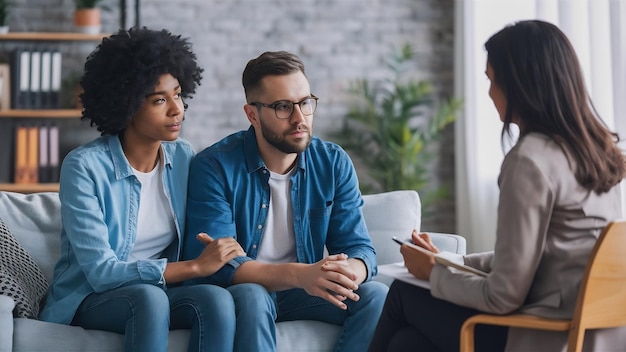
536	67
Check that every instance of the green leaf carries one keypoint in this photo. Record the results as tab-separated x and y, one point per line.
389	126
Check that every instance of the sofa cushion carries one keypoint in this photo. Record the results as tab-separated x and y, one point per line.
388	214
38	218
20	277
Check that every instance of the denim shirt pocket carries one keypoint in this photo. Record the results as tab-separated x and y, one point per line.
316	213
319	219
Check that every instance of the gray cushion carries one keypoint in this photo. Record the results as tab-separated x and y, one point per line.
37	216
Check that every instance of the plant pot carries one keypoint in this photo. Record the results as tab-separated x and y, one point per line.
87	21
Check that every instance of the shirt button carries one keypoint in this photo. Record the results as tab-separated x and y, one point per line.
254	246
259	227
264	206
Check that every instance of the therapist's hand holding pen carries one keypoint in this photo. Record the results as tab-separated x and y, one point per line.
419	263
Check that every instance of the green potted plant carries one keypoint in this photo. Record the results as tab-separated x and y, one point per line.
390	127
87	16
4	15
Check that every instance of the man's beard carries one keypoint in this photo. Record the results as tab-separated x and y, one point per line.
279	142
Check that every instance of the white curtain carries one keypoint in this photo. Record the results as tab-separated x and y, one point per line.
596	28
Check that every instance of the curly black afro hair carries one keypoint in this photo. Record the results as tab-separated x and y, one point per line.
125	67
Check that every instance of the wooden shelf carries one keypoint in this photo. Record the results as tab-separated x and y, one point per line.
41	113
52	36
29	188
38	39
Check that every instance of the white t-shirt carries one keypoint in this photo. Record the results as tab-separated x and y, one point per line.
155	222
278	244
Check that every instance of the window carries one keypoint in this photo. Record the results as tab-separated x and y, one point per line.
597	29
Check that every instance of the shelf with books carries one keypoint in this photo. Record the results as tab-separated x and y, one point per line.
32	78
43	113
51	36
29	188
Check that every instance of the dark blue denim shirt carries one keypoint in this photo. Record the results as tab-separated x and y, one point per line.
229	196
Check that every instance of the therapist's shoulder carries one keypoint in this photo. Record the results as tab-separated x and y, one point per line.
539	151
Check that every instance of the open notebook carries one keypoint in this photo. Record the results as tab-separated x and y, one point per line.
453	260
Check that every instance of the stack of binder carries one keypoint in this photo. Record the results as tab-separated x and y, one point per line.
36	154
35	78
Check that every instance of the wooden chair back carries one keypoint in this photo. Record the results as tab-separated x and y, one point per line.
601	299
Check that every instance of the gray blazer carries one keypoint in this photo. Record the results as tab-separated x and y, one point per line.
547	227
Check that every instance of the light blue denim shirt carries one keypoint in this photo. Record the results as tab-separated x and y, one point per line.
99	207
229	196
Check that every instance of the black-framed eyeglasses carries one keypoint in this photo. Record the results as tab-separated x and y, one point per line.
284	108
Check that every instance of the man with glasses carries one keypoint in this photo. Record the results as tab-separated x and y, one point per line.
285	196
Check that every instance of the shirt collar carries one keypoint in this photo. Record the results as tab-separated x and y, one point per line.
120	163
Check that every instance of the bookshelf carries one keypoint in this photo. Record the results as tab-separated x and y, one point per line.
29	188
46	113
51	36
61	114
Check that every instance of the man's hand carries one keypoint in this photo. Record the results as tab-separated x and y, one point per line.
216	253
332	279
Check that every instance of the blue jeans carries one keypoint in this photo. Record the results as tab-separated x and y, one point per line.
257	310
146	313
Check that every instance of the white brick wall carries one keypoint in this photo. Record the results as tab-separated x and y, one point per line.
338	40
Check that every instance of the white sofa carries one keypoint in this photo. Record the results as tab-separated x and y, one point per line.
34	220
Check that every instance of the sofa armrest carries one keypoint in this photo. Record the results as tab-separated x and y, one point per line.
6	323
449	242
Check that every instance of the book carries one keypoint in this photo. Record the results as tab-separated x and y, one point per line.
55	79
399	272
35	80
7	151
21	144
54	156
445	258
20	78
5	87
46	79
449	259
32	159
44	154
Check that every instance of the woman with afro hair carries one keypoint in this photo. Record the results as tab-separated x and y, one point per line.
123	199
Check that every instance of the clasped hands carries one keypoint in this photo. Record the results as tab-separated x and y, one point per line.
418	263
332	278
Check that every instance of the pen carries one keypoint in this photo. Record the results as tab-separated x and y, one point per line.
439	259
411	244
397	240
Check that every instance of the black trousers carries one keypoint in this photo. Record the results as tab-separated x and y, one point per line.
413	320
